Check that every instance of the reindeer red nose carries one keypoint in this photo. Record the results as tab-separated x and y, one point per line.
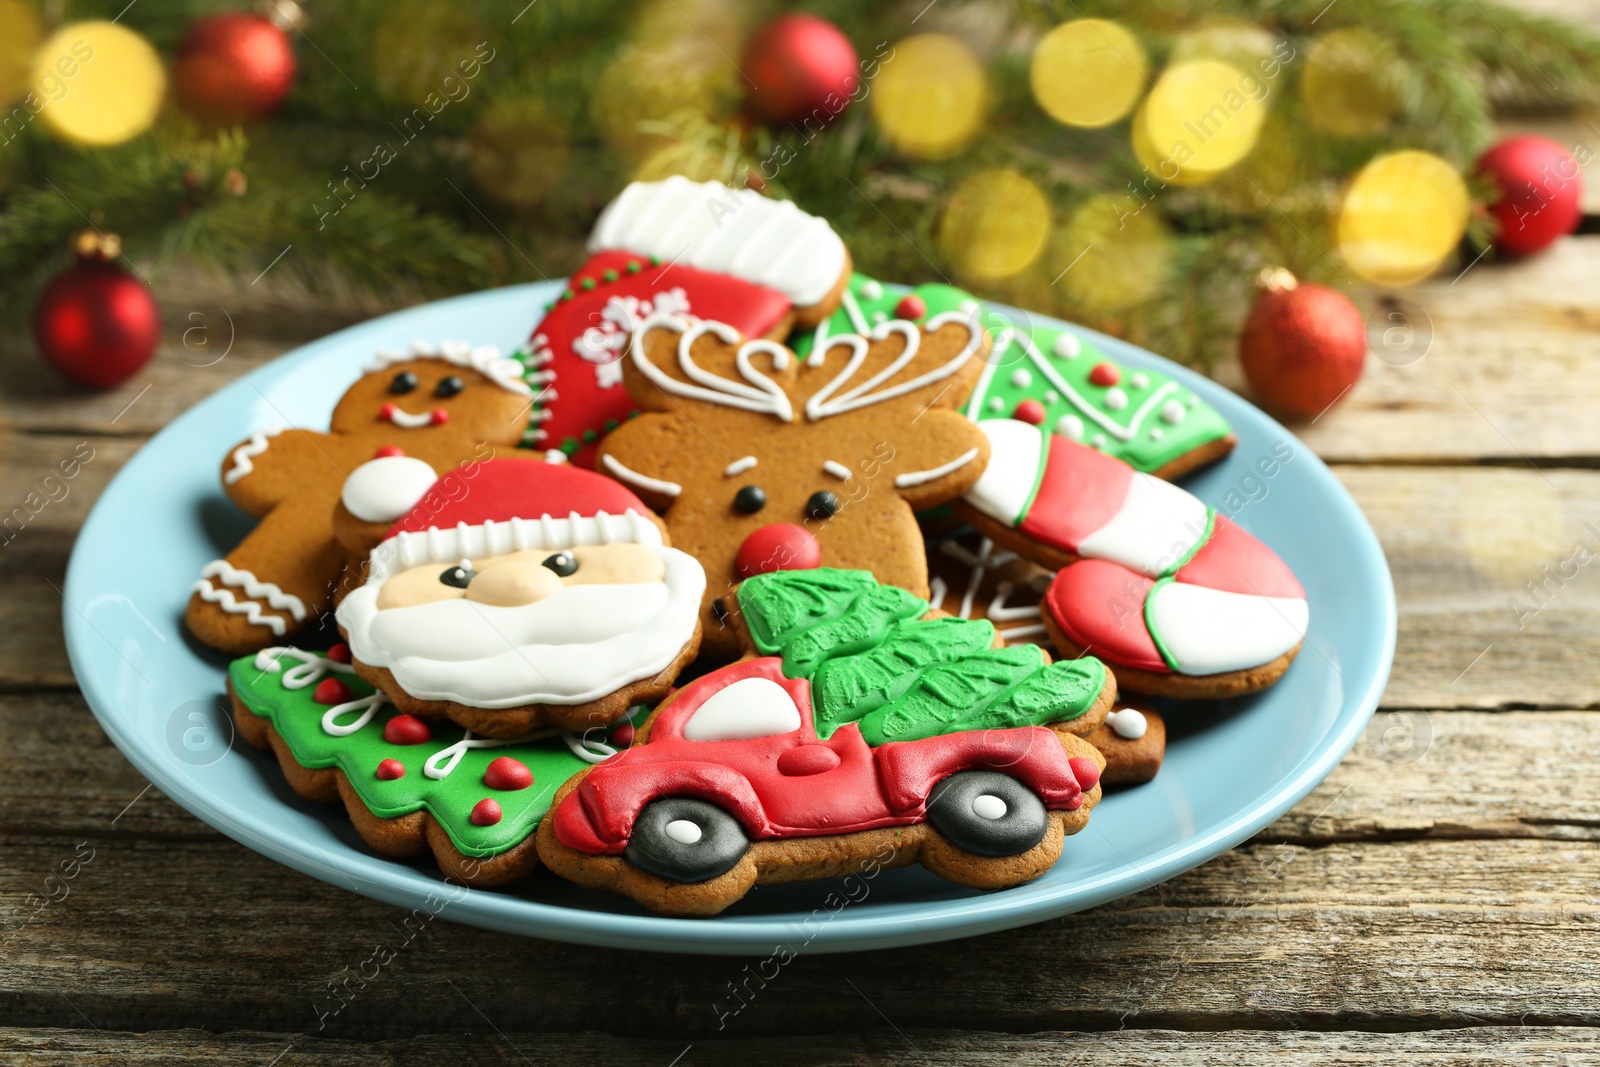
782	546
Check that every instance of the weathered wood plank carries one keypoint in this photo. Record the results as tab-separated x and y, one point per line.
1366	936
1522	1046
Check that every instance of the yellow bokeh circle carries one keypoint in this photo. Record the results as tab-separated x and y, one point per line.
1402	215
930	96
1122	253
99	83
994	224
1349	83
1088	72
1202	117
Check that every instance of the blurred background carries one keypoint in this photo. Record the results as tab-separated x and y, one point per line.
1155	170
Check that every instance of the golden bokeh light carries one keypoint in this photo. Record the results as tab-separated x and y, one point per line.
100	83
644	95
994	224
20	31
1123	254
695	161
930	98
1402	216
516	151
417	52
1202	117
1088	72
1349	82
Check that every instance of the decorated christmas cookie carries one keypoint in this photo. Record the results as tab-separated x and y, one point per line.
1175	597
858	732
526	594
1056	378
694	249
410	787
412	413
762	461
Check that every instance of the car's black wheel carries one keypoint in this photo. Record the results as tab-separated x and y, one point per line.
686	840
987	813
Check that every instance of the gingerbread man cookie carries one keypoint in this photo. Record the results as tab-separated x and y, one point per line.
412	413
696	249
524	594
761	461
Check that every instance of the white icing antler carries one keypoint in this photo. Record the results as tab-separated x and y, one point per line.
824	403
761	395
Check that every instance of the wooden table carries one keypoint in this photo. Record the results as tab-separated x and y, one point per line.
1433	901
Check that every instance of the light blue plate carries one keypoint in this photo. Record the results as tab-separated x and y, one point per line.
1230	769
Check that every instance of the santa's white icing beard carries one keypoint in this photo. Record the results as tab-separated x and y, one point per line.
576	644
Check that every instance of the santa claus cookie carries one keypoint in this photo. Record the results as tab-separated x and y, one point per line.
410	787
1055	377
541	595
1177	599
859	732
695	249
762	461
413	413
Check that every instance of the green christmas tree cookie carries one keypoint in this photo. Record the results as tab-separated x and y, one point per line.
1051	376
873	659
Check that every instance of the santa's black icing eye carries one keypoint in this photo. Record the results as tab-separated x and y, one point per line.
749	500
403	382
822	505
563	564
448	387
458	577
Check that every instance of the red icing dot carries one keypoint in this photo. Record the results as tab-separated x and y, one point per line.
440	416
782	546
388	450
1030	411
390	769
485	813
339	653
330	691
1105	374
387	412
406	730
622	735
1084	771
910	307
504	772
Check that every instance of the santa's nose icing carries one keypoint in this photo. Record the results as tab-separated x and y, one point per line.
781	546
510	585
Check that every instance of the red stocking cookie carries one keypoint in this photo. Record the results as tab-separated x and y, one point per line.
1174	597
519	594
761	462
435	407
695	249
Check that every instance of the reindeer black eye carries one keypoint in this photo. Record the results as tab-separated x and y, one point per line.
403	382
458	577
563	564
822	505
448	387
749	500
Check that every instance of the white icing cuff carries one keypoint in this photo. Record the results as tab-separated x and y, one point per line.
1016	450
383	489
1207	631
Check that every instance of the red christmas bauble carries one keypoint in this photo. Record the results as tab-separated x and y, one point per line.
233	68
801	69
1540	188
1303	345
96	323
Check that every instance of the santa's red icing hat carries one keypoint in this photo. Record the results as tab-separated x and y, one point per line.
509	505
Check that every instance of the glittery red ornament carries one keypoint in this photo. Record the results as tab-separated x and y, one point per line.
1540	187
233	68
800	70
97	323
1303	345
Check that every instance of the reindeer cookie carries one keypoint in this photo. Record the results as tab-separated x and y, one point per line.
696	249
761	461
412	414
